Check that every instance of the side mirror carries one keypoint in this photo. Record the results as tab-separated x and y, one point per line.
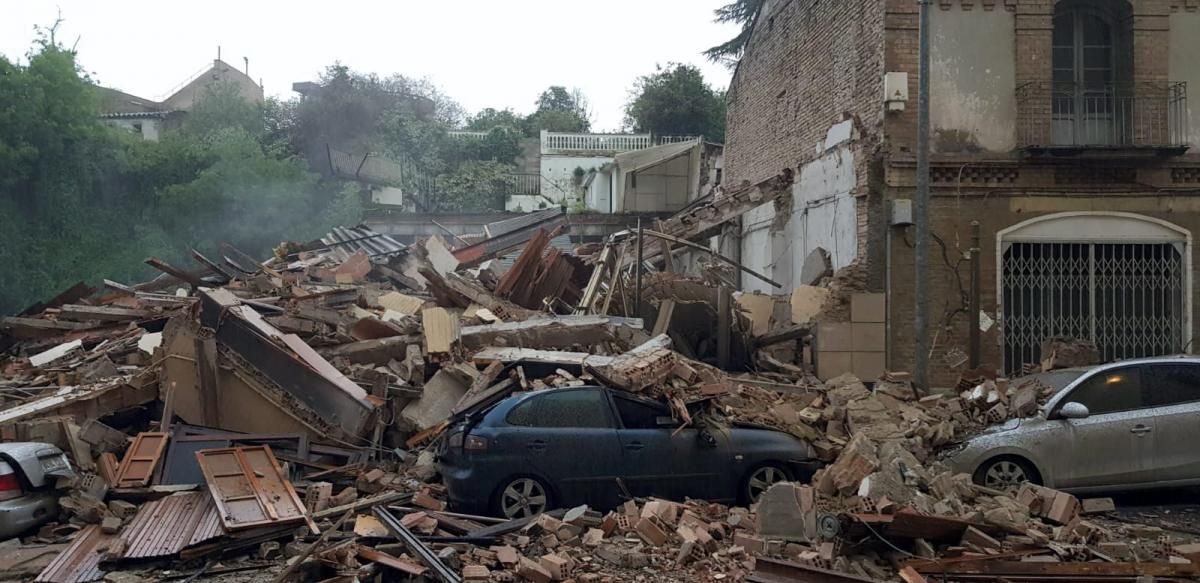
1074	410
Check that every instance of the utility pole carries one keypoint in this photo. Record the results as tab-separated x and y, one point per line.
921	319
974	332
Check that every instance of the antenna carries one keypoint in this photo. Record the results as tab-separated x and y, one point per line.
218	52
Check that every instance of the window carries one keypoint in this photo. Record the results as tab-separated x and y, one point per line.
639	415
562	408
1111	391
1091	61
1172	384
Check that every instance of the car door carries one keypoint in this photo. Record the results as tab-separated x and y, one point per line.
569	436
1114	444
663	460
1174	390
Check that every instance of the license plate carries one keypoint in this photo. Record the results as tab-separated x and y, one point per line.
53	464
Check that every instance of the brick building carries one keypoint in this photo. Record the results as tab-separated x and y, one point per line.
1064	127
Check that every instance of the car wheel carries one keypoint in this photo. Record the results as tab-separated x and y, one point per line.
761	479
522	497
1005	473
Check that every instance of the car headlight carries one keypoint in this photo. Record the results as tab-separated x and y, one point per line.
952	450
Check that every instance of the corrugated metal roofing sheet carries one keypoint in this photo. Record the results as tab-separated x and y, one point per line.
517	223
168	525
80	562
346	241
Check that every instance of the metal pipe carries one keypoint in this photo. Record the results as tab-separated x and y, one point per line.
974	332
715	255
637	280
921	208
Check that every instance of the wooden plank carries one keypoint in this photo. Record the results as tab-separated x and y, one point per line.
211	265
724	325
249	488
140	461
666	309
17	324
525	265
84	313
119	287
441	330
1025	569
389	561
175	272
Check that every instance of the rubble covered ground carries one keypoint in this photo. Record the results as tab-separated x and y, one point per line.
245	420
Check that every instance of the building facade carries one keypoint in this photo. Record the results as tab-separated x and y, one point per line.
1063	127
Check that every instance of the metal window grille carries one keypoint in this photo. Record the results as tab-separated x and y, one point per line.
1125	297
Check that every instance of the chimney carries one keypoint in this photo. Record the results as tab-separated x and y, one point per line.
247	61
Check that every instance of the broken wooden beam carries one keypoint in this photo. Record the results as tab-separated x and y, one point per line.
211	265
82	313
175	272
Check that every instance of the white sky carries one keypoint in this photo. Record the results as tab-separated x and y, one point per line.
482	53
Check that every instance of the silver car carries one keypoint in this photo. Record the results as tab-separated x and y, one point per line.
28	472
1127	425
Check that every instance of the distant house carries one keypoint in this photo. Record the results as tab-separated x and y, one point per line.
149	118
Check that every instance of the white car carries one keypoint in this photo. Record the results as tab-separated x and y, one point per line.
28	472
1127	425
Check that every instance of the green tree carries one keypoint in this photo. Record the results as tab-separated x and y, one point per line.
489	118
744	13
675	101
559	110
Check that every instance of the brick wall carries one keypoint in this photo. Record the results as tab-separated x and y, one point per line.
809	65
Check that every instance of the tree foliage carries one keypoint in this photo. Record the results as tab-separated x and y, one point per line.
744	13
80	200
559	110
675	101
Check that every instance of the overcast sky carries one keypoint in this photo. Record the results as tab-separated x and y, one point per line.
483	53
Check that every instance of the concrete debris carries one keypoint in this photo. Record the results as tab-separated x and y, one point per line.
297	394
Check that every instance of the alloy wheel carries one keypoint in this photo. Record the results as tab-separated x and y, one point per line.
762	479
524	497
1004	475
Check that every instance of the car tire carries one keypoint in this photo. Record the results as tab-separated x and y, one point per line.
521	497
1006	473
760	479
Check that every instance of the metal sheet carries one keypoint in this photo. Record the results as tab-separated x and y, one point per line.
81	561
137	467
249	488
168	525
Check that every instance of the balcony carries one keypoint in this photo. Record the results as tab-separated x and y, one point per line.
1119	120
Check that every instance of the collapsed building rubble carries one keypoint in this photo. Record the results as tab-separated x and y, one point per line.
280	418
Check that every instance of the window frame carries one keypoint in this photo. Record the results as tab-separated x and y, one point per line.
1069	397
621	420
532	400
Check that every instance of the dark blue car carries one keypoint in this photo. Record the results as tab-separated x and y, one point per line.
590	445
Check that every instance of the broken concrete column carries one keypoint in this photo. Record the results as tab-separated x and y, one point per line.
787	511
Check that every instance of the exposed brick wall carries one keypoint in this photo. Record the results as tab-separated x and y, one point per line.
809	65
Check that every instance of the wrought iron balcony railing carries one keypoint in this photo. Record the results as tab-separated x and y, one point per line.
1143	114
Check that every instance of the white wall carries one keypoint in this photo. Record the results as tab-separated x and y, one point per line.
558	173
599	194
149	128
822	215
387	195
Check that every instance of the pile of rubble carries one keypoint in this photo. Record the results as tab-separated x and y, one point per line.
277	419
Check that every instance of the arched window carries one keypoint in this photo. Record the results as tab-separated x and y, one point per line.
1092	63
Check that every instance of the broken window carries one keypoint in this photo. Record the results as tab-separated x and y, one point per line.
1112	391
638	415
